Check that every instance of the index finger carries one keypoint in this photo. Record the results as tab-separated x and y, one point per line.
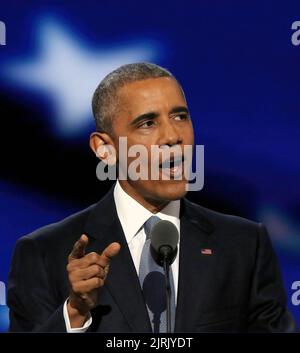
78	250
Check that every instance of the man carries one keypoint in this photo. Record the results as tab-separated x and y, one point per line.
84	273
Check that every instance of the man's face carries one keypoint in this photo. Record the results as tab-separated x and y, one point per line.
154	112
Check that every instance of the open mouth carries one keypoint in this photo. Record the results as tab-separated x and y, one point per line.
172	166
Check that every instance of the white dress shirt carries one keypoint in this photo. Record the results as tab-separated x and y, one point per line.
132	216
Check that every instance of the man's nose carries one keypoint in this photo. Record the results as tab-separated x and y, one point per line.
169	134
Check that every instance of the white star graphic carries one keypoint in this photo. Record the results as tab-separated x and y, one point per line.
68	72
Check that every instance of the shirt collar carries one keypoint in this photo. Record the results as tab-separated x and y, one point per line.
133	215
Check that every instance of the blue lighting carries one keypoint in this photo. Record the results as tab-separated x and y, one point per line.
4	318
67	72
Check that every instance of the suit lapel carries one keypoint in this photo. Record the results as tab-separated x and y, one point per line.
195	237
122	282
103	227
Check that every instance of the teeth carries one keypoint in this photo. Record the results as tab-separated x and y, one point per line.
175	170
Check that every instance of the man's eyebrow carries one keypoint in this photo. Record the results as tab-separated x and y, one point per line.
182	109
153	115
146	116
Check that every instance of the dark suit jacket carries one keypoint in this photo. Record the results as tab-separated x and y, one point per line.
237	288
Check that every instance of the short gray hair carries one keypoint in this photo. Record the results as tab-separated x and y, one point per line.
105	98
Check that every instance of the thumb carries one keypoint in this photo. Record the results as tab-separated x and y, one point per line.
109	252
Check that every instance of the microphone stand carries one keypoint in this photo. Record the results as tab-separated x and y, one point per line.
166	266
164	240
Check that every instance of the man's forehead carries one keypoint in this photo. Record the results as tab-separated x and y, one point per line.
144	91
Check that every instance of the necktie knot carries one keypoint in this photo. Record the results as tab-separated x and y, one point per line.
149	224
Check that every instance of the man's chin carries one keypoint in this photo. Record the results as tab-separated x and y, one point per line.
156	192
171	190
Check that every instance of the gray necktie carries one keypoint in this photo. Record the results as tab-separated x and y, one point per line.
152	281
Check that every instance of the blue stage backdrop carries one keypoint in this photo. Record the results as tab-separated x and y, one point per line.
238	63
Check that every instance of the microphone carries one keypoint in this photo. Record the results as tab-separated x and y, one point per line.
164	239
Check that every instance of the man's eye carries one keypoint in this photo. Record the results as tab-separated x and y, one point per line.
146	124
180	117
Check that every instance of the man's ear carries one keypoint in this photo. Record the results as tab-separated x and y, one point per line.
103	147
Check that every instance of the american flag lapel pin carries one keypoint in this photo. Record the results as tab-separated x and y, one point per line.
206	251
